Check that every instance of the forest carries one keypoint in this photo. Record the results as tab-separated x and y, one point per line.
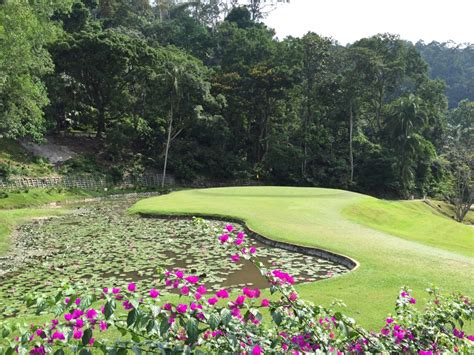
208	90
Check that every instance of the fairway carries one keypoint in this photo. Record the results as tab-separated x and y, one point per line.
395	245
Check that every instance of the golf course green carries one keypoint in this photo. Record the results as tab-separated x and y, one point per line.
395	243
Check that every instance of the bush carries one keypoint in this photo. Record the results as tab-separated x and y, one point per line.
204	322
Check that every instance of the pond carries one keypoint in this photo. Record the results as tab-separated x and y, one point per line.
100	244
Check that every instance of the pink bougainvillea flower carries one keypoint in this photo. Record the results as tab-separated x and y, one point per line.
103	326
240	300
235	258
181	308
115	291
201	289
91	314
58	336
257	350
197	296
265	302
385	331
404	294
192	279
39	332
389	320
179	274
229	227
127	305
238	241
105	290
176	284
412	300
78	301
293	296
223	238
66	300
241	235
132	287
185	290
222	293
212	301
154	293
167	306
193	306
77	313
252	250
79	323
77	334
68	317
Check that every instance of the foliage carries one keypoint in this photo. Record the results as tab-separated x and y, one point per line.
235	325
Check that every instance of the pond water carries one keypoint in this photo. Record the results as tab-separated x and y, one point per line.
99	244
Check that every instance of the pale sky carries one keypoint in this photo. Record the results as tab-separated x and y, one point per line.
349	20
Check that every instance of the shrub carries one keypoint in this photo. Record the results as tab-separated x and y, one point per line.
206	322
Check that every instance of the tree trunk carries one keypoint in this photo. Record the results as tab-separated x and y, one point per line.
100	124
351	155
168	142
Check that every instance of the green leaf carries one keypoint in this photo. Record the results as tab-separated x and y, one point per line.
277	317
164	326
87	336
132	317
59	352
214	321
109	309
192	330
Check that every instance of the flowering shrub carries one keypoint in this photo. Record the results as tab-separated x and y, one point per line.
225	322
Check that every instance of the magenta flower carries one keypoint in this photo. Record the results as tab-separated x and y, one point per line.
179	274
235	258
185	290
132	287
192	279
212	301
77	334
470	337
58	336
404	294
265	302
115	291
229	228
293	296
79	323
103	326
78	301
238	241
127	305
201	289
240	300
257	350
154	293
412	300
252	250
66	300
223	238
77	313
236	312
92	341
91	314
39	332
222	293
105	290
241	235
197	296
389	320
181	308
167	306
68	317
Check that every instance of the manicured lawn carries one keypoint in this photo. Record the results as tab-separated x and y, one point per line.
395	243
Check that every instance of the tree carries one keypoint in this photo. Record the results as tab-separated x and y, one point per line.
25	31
460	155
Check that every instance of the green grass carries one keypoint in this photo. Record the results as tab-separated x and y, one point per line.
38	197
448	209
413	246
416	221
